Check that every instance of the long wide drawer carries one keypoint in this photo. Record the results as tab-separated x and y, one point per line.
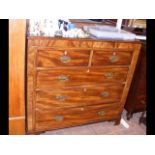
79	96
101	58
75	77
59	118
56	58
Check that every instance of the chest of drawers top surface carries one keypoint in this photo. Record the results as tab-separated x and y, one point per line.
85	76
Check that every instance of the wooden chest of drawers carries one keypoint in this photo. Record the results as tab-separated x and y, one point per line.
77	81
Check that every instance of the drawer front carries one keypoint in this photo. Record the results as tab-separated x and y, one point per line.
105	44
112	45
72	97
58	118
111	58
76	77
61	58
62	42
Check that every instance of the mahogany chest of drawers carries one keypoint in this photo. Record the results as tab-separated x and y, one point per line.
77	81
136	100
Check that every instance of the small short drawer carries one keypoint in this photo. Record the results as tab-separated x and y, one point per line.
104	44
80	76
60	58
59	42
59	118
101	57
79	96
127	45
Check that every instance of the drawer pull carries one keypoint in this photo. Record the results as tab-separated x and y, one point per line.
109	75
105	94
101	113
63	78
143	102
60	98
65	59
114	58
59	118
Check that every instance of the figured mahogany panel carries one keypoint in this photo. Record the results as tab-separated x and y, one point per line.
101	57
77	96
124	45
60	42
104	44
57	78
59	118
56	58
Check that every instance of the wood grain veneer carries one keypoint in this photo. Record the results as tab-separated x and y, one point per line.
17	42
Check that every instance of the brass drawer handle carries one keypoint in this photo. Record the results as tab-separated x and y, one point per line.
63	78
114	58
65	59
101	113
105	94
60	98
59	118
109	75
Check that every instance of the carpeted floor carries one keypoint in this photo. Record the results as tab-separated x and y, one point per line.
104	128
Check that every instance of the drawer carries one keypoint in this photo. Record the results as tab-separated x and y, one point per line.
59	42
116	45
104	44
76	77
59	118
77	96
61	58
101	57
